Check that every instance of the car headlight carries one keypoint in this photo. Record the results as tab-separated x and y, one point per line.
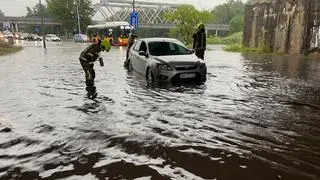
164	67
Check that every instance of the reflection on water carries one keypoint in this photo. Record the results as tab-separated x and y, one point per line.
257	117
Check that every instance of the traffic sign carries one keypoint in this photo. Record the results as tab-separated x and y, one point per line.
134	19
6	26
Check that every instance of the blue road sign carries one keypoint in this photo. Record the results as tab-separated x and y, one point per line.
134	19
37	29
6	26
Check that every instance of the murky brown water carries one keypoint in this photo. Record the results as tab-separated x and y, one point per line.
255	118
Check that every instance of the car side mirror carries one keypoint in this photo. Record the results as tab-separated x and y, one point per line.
192	51
143	53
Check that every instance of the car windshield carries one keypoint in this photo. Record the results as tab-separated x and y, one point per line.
167	48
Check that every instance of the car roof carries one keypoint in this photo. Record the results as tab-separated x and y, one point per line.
159	39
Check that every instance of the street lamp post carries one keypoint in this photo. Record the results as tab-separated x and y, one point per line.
79	29
133	6
41	15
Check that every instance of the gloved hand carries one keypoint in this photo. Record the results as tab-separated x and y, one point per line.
101	61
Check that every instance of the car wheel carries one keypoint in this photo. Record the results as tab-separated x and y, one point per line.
202	79
149	76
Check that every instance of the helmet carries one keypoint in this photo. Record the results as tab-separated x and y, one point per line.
133	34
106	45
200	26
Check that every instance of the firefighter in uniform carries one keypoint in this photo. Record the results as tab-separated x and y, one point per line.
199	41
87	59
132	38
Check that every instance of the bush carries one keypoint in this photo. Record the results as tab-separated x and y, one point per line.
235	38
6	48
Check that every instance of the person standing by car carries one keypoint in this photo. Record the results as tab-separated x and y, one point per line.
131	40
87	59
200	41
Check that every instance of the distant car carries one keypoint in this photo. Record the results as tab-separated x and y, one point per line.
8	34
34	37
82	38
1	36
23	36
166	59
52	37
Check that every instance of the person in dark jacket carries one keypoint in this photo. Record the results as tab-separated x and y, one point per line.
200	41
131	40
87	59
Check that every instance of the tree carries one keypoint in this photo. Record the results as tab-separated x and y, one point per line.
66	12
236	24
225	12
1	14
187	17
257	1
38	11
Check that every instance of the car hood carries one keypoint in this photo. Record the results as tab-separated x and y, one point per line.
177	59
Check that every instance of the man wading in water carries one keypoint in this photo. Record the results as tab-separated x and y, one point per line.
87	59
200	41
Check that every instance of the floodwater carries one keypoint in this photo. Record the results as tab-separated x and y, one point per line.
256	117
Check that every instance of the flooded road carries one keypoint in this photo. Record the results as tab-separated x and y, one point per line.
256	117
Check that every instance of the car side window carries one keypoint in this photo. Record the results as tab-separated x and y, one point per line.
143	47
137	46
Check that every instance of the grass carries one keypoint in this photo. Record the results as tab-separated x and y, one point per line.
235	38
6	48
233	43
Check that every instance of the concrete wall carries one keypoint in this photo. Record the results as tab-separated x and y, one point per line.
283	25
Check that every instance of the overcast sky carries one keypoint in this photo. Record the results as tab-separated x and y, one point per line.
18	7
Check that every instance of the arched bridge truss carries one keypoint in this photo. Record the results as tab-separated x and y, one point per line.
151	14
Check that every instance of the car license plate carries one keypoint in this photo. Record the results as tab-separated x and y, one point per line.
189	75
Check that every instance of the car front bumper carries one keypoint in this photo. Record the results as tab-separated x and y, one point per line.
176	76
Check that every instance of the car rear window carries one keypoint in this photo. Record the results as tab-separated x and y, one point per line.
167	48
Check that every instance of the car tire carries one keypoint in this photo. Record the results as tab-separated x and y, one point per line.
149	76
202	79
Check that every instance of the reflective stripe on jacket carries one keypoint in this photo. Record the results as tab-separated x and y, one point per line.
91	53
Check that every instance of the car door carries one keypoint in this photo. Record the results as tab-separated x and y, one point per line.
141	59
134	53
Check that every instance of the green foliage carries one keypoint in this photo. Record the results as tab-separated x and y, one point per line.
6	48
262	49
236	24
225	12
234	43
66	12
38	11
235	38
187	17
1	14
258	1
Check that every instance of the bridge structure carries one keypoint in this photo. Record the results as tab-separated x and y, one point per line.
15	24
151	14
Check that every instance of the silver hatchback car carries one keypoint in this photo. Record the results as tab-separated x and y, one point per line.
165	59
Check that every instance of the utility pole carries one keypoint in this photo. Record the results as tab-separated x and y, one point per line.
43	36
79	28
133	6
